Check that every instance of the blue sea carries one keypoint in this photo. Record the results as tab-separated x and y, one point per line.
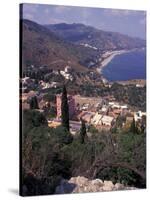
127	66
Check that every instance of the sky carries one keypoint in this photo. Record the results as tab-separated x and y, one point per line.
129	22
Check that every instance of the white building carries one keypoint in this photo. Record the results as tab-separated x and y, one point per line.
139	86
85	106
107	120
138	115
66	73
117	105
111	103
124	107
67	69
96	119
25	80
54	84
104	108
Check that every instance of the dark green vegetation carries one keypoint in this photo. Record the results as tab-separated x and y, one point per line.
64	109
34	103
89	84
33	118
48	155
83	132
43	162
130	94
103	40
120	158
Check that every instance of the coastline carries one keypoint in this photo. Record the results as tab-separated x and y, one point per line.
107	58
137	82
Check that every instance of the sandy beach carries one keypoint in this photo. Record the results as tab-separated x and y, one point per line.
107	57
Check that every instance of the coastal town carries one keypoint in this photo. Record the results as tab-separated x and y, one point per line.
83	106
99	112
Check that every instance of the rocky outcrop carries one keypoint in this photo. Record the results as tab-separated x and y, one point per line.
81	184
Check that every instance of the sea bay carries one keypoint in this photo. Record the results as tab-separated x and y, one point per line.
126	66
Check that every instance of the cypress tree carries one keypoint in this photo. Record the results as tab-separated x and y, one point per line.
133	127
34	103
64	109
83	131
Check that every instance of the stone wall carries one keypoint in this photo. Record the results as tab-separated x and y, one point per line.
81	184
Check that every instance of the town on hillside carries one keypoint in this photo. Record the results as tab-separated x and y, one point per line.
101	112
82	118
82	100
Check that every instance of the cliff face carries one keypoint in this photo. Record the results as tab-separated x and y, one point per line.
81	184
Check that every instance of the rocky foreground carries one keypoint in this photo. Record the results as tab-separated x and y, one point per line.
81	184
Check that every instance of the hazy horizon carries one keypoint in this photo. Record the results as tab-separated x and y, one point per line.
129	22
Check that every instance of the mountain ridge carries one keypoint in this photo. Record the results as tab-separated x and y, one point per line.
78	33
42	47
81	48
